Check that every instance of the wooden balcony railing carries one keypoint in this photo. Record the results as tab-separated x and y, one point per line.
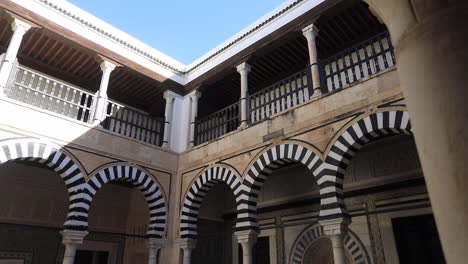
131	122
217	124
336	72
34	88
37	89
280	96
358	62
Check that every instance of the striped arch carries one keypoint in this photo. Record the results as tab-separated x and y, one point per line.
263	167
198	191
143	181
313	232
345	147
58	160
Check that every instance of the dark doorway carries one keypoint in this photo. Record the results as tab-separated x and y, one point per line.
417	240
91	257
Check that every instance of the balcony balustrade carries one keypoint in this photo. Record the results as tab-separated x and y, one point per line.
34	88
358	62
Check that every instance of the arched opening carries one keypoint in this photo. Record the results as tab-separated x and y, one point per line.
321	251
33	207
118	223
387	172
280	183
215	226
126	207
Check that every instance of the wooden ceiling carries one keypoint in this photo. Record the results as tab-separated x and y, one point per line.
55	55
340	26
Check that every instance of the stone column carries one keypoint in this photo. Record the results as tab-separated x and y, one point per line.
311	32
71	239
194	96
101	95
247	239
154	244
19	29
336	230
170	97
187	245
430	39
244	70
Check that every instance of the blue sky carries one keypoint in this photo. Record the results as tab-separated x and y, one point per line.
182	29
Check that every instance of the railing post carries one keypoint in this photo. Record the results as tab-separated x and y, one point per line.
194	96
170	97
19	29
244	70
101	98
311	32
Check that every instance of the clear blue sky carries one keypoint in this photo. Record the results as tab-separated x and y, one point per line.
182	29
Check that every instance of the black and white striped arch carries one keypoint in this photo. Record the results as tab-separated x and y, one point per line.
50	156
369	128
198	191
310	234
147	185
274	158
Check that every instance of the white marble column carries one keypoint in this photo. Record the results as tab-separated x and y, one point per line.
194	97
19	29
170	97
71	239
311	32
187	245
336	230
154	244
247	239
244	70
101	95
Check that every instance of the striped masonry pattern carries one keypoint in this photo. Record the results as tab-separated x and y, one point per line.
150	189
50	156
198	191
313	232
330	180
272	159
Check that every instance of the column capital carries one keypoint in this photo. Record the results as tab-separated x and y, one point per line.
310	31
243	68
157	243
74	237
338	226
20	25
246	236
194	94
107	66
187	243
169	95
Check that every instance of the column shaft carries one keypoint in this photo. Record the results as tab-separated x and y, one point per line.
152	255
247	252
311	32
434	80
187	256
243	70
168	119
101	97
338	249
194	113
69	256
19	29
